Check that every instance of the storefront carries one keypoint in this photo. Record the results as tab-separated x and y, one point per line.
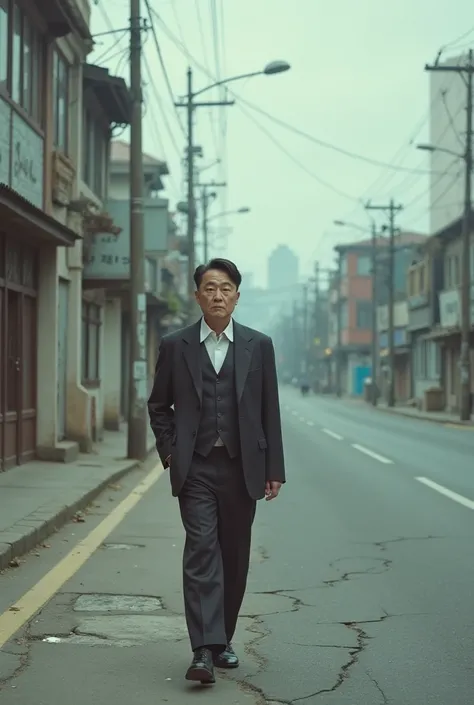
27	233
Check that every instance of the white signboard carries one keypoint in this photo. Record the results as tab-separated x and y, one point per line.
27	162
5	134
450	308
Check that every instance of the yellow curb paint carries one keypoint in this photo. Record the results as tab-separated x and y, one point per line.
459	427
32	601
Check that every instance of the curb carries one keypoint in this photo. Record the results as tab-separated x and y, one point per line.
26	534
443	422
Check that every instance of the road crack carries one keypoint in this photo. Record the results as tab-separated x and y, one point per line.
383	545
379	687
24	658
344	672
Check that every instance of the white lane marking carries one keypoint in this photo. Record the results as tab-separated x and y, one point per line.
302	419
332	434
295	413
447	493
371	453
310	423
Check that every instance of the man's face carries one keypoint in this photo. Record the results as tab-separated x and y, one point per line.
217	296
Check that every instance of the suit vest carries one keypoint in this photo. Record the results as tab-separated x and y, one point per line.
219	414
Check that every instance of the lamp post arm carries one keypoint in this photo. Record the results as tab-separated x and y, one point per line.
228	80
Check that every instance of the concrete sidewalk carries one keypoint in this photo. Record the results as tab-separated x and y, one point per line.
441	417
39	497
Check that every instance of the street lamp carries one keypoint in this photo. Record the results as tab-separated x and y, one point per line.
272	68
464	362
207	220
238	211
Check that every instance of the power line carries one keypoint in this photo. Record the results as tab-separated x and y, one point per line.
294	159
323	143
435	183
441	195
206	62
282	123
177	20
451	119
162	63
452	44
193	60
160	104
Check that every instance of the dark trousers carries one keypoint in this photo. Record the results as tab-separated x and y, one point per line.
217	514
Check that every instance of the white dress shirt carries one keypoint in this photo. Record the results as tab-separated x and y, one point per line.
217	347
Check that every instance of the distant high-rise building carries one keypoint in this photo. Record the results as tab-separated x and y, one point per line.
283	267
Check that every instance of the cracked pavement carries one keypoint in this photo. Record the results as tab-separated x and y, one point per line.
359	593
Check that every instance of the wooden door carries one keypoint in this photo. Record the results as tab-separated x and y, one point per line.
12	381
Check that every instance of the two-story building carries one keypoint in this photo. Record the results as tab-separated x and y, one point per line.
350	303
35	96
107	270
446	331
423	284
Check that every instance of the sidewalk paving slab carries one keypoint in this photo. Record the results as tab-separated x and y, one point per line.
39	497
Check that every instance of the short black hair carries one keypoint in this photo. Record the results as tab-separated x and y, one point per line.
223	265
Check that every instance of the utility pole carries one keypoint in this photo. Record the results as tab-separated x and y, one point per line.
304	361
137	409
205	206
466	71
339	326
190	106
392	210
205	200
317	324
374	395
296	340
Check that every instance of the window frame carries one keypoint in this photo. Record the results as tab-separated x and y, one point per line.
31	108
91	325
61	142
366	259
365	306
95	145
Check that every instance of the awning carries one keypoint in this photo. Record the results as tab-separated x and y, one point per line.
23	217
439	333
110	91
63	17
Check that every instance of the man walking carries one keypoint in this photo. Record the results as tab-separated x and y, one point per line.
214	411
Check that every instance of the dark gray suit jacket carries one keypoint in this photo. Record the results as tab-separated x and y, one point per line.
174	405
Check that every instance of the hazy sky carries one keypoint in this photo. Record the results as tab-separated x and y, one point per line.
357	81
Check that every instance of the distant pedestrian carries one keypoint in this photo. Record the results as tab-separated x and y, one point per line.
214	410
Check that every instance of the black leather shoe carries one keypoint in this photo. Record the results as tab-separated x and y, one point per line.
201	668
227	658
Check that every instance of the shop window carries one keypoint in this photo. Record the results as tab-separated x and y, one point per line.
91	329
61	102
21	59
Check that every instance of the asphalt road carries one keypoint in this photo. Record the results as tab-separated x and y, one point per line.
360	591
